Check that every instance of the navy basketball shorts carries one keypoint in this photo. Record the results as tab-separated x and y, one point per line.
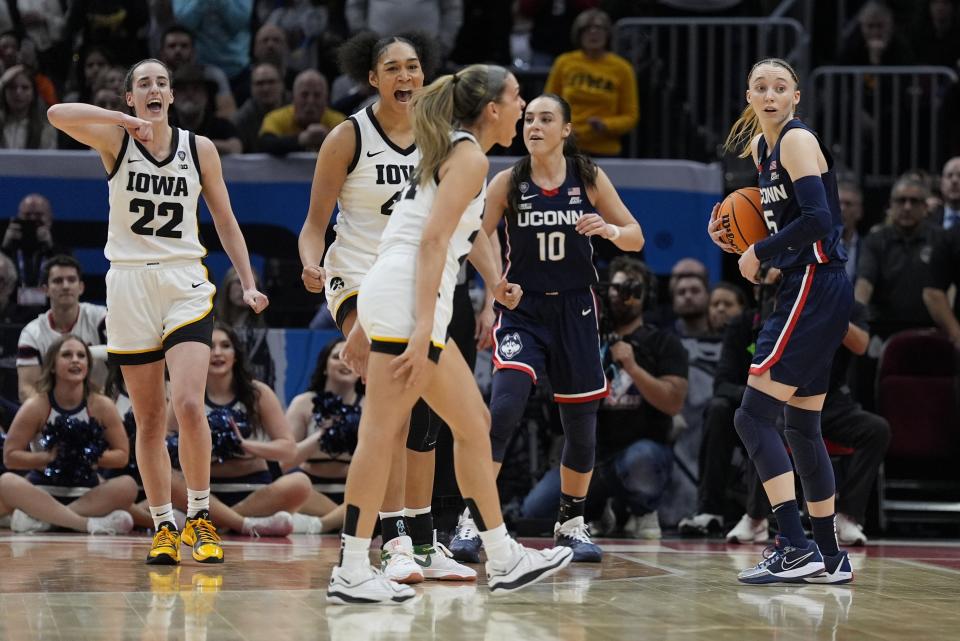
799	339
557	336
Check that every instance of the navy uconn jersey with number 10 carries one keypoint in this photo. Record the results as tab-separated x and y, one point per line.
545	253
780	206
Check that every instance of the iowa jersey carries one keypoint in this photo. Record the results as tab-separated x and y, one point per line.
405	227
376	175
153	203
544	251
780	206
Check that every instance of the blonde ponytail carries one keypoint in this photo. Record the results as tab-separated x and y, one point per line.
741	135
432	109
451	101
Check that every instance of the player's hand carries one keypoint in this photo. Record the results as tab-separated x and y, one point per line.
356	351
257	300
412	363
138	128
484	328
750	266
594	225
314	277
507	294
716	232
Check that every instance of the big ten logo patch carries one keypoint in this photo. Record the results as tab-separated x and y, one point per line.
511	345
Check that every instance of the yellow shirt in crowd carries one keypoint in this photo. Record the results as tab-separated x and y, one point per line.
280	122
605	88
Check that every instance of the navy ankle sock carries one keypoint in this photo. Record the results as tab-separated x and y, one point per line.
788	523
825	534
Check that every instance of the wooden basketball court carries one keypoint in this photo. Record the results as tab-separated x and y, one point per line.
79	588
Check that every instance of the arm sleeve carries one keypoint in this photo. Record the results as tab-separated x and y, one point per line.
812	224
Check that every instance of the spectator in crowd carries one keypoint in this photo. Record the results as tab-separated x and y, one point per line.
111	78
310	35
266	94
876	42
895	262
600	86
44	22
176	50
331	403
29	241
270	46
193	110
9	309
91	62
488	37
63	487
248	429
44	84
936	33
9	19
851	211
117	24
251	329
63	284
944	272
9	49
691	304
221	30
727	301
23	123
549	20
438	19
948	215
303	125
647	377
109	99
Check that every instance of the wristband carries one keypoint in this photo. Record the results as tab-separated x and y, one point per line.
616	233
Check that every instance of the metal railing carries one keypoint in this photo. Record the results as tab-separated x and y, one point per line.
692	76
881	121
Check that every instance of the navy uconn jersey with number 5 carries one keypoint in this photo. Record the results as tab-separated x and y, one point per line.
780	206
544	251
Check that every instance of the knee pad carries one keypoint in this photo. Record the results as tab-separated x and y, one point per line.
755	422
802	431
508	400
424	428
580	435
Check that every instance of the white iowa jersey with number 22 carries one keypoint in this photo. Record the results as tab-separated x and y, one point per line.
378	172
153	203
405	229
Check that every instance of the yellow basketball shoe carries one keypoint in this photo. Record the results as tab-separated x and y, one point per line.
200	534
166	546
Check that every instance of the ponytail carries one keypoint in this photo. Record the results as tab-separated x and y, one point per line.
744	130
450	101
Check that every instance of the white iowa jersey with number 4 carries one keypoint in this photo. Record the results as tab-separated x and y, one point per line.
153	203
405	229
378	172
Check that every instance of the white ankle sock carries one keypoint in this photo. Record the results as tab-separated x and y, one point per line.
354	552
197	500
161	514
497	543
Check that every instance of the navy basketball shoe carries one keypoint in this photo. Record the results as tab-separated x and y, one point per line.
465	544
837	570
784	563
575	534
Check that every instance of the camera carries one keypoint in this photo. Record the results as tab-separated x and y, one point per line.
28	233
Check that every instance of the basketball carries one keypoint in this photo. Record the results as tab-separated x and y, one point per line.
741	217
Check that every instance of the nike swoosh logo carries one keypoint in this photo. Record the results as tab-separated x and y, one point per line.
195	285
796	562
528	197
134	159
424	561
371	155
585	312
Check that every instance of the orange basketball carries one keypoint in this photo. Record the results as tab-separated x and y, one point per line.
741	217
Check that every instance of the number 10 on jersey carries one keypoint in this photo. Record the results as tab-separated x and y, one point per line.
552	245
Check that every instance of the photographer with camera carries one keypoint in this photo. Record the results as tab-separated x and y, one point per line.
646	370
28	242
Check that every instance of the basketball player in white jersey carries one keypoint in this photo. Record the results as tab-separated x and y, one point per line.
405	306
362	166
158	296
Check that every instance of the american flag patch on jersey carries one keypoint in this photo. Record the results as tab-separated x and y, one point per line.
573	191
